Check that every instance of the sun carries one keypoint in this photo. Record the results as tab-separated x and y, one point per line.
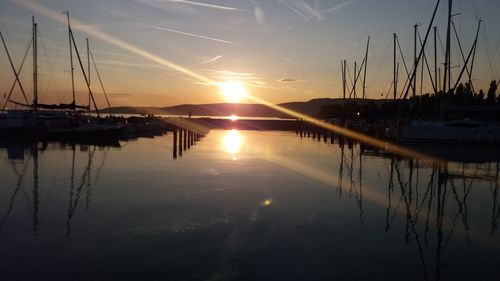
234	91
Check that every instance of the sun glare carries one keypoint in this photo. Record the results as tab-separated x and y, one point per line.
233	91
232	142
233	118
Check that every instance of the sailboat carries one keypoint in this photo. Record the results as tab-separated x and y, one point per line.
56	119
455	131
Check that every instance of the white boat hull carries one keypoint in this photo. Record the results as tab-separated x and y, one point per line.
450	132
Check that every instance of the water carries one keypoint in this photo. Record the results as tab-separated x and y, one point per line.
243	205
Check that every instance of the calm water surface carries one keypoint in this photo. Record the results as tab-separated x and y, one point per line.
243	205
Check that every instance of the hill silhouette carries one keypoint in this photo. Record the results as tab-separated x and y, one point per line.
311	108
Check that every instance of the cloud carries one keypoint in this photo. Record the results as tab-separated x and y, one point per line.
259	15
206	5
221	75
290	61
190	34
287	80
212	60
118	95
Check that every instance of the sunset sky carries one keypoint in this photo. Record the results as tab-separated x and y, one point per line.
282	50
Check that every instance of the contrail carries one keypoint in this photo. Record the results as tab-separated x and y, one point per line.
35	6
191	34
338	7
214	59
218	7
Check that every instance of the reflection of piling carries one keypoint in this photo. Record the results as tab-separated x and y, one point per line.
189	139
180	142
184	139
341	141
175	144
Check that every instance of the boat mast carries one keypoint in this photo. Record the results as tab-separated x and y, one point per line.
447	69
407	88
415	62
435	60
82	68
474	56
436	72
355	79
71	61
342	64
395	78
88	72
35	66
364	75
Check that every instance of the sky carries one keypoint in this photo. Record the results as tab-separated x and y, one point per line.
168	52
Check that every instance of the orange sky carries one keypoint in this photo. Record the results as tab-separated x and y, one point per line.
160	53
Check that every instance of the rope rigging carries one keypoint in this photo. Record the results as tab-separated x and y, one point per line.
16	73
99	78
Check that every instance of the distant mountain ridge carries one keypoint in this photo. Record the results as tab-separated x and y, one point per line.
311	108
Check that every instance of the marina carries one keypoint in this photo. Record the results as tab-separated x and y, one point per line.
249	140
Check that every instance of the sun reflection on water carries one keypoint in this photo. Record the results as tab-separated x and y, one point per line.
232	142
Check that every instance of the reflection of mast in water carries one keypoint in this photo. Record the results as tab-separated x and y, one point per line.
462	203
75	194
410	218
441	201
406	200
71	187
390	190
88	191
496	211
430	190
99	169
35	189
19	184
351	169
341	168
359	195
